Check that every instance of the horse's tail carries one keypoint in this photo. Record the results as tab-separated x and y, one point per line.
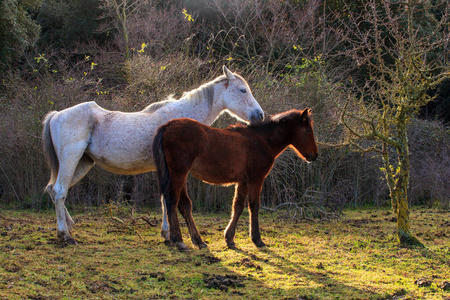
159	158
49	149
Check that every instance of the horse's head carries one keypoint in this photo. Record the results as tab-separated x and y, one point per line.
303	140
238	99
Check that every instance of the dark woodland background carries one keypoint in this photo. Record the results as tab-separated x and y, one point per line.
127	54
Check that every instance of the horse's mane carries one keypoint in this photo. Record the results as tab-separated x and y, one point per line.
205	91
157	105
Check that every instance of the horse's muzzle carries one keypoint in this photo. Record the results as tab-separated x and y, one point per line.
256	116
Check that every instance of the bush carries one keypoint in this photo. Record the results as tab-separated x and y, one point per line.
430	163
272	44
13	43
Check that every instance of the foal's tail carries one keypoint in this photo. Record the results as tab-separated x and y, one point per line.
160	161
49	149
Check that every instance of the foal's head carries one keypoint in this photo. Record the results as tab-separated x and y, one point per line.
303	140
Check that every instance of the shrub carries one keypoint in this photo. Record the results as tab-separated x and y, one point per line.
430	163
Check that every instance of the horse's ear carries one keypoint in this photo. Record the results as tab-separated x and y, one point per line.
228	73
305	114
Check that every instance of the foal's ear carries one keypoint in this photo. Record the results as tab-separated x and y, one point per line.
228	73
305	114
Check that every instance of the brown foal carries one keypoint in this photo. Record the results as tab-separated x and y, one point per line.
240	154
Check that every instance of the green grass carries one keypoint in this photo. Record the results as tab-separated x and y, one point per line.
356	257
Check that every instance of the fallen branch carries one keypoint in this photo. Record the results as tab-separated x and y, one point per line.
297	208
130	227
149	222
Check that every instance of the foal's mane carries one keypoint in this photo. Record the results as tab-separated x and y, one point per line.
205	91
272	121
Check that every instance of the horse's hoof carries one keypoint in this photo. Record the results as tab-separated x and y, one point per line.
167	242
71	241
63	237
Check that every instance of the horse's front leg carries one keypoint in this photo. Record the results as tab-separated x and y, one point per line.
254	203
240	195
185	207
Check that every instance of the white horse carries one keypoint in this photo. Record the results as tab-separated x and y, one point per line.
80	136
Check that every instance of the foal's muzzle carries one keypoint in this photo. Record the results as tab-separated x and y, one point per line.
257	115
312	156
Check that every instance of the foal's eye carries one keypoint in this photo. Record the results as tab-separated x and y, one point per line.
308	130
243	91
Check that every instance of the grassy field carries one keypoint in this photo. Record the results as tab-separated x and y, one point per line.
355	257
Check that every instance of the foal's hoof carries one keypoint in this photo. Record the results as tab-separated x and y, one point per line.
260	244
202	245
182	246
199	243
231	246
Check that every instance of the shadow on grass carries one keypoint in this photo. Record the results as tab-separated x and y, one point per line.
312	284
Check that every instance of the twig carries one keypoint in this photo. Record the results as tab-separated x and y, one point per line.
333	145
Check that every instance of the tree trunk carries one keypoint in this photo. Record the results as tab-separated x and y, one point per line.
399	192
125	32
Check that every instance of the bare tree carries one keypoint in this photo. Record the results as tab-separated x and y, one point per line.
401	50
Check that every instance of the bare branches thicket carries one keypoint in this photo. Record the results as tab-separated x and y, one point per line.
430	163
257	34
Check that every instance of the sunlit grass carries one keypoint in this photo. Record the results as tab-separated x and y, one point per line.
356	257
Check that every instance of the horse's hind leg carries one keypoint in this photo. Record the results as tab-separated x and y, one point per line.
84	165
62	216
238	206
185	207
69	159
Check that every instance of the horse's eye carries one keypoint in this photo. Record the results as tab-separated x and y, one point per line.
243	91
308	130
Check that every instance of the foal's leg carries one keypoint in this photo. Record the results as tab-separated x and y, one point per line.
185	207
238	206
172	198
254	203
